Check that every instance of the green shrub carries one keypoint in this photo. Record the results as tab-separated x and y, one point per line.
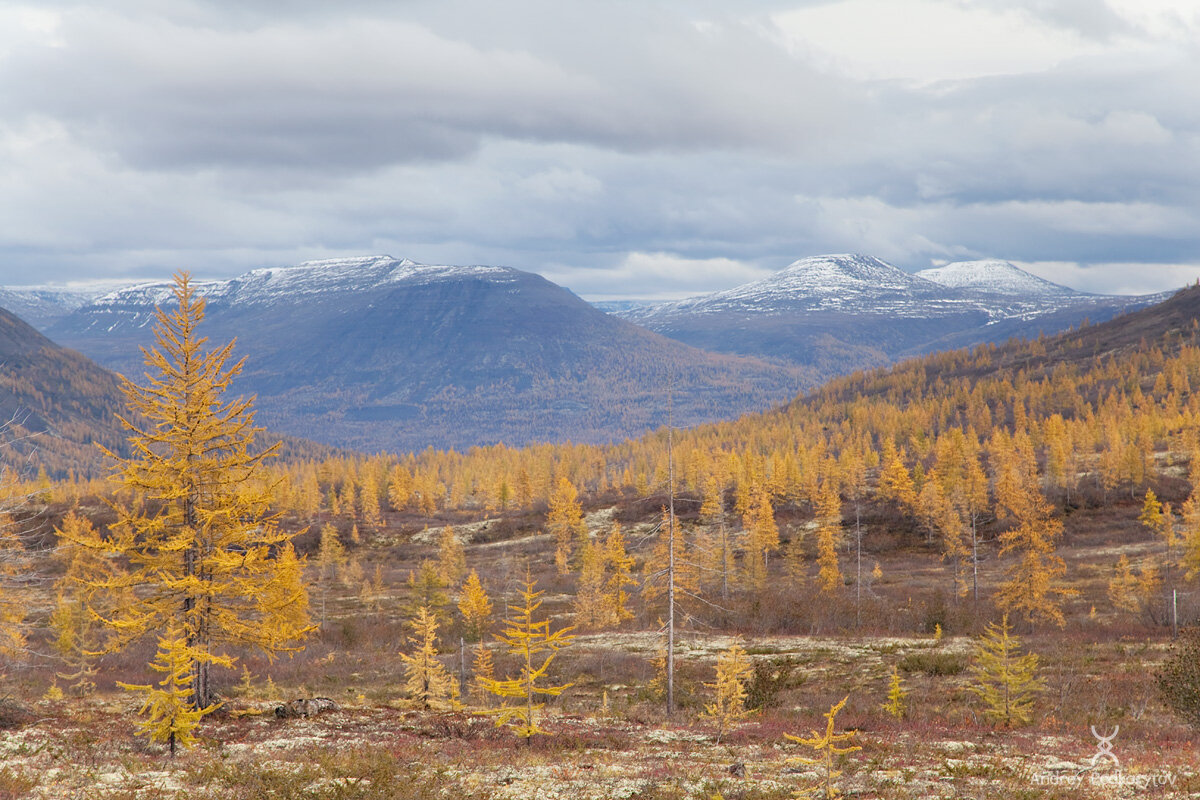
934	662
1179	678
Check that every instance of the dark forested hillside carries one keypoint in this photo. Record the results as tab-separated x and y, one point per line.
379	354
55	404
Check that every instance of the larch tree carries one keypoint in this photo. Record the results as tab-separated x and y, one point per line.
13	602
452	561
1157	516
762	539
426	589
895	482
729	690
590	610
897	695
172	714
426	679
829	531
330	561
827	747
1033	586
475	607
1123	587
212	570
1005	678
79	634
565	521
620	576
535	645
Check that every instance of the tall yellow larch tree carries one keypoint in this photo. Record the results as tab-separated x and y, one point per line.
368	501
762	538
590	611
475	607
348	498
535	645
202	548
452	559
1033	586
829	530
399	488
895	481
564	520
426	679
620	576
729	690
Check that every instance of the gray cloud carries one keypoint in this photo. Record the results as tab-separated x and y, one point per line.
636	140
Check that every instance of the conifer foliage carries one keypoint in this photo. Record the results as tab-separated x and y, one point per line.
729	691
535	646
826	746
426	679
173	716
1005	679
211	569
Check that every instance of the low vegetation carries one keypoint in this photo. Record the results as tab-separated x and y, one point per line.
964	576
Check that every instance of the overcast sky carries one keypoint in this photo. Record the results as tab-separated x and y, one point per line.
622	148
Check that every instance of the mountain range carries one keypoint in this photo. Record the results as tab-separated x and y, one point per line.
377	353
840	313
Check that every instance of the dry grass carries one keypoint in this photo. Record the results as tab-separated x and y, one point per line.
1098	672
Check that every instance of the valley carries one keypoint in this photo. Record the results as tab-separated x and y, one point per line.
858	542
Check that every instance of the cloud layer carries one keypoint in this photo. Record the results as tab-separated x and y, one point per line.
637	149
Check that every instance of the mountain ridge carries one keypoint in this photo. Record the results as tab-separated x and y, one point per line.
838	313
383	353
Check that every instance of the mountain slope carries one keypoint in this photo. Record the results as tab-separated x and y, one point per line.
377	353
55	405
840	313
992	276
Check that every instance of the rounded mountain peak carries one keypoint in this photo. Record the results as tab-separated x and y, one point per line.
838	269
994	276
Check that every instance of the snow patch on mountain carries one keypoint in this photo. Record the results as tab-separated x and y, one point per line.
310	279
849	283
994	276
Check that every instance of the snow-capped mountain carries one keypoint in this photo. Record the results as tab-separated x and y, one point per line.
382	353
41	305
844	312
842	283
321	281
993	276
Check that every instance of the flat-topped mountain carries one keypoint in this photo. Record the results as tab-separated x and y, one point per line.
380	353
